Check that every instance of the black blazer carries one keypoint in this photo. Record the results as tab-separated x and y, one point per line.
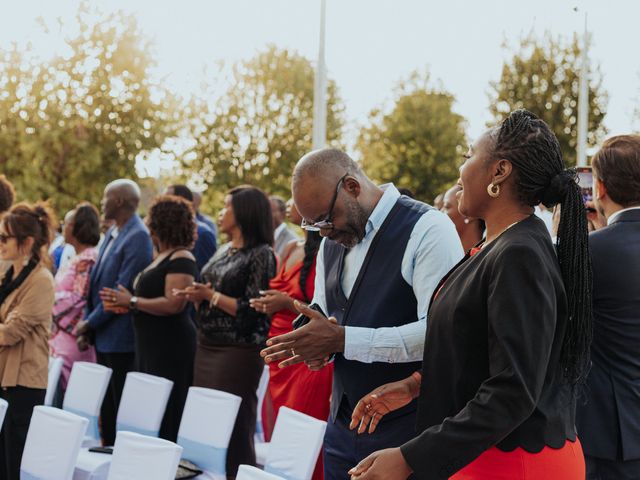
491	373
609	422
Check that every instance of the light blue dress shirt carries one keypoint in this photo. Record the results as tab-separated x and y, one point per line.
432	250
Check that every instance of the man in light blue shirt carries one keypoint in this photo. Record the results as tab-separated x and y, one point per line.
382	257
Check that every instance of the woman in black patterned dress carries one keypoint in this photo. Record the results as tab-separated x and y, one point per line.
230	332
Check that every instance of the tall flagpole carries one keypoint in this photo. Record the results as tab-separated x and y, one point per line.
320	89
583	100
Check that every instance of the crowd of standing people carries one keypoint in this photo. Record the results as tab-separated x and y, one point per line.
467	340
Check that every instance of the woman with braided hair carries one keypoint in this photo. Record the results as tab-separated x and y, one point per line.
295	387
507	346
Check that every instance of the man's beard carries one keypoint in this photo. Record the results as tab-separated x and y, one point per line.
354	232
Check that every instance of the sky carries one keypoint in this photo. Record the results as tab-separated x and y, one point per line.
370	44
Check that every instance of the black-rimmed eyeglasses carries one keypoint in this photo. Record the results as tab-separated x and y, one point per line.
327	223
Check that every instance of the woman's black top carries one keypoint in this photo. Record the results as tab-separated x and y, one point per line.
165	345
491	372
240	274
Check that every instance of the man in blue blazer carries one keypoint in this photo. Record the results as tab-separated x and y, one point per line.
608	418
125	252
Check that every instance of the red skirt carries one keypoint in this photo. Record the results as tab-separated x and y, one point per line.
566	463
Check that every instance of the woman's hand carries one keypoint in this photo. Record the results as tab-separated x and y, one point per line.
113	299
387	398
272	301
196	292
388	464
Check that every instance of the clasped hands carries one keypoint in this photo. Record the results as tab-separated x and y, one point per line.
196	292
312	344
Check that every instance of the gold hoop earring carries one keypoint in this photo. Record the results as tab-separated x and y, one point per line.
493	190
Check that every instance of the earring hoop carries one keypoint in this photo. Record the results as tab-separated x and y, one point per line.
493	190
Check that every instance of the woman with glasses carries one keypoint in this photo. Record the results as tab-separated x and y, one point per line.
26	299
230	332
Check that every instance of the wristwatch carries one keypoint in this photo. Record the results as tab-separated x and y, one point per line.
133	304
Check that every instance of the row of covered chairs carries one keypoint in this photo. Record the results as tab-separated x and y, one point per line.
203	437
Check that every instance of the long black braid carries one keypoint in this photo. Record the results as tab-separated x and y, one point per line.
528	143
311	246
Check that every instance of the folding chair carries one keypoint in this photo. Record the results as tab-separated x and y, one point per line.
295	445
141	457
261	394
87	386
52	445
205	429
3	411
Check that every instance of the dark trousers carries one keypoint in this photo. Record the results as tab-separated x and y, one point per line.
344	448
16	425
601	469
121	364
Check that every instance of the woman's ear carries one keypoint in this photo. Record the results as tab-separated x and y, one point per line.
501	171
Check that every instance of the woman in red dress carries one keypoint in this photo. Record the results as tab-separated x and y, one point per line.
295	387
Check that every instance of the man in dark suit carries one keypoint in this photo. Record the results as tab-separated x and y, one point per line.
608	418
125	252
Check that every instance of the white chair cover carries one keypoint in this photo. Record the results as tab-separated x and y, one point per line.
52	444
143	458
55	369
3	411
261	393
206	427
247	472
295	445
87	386
144	400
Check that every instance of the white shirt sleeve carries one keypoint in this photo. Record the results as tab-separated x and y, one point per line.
319	295
432	250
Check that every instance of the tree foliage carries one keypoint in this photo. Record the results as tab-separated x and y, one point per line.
260	127
543	77
417	144
72	123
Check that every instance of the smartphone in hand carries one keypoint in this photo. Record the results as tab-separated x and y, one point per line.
585	182
301	320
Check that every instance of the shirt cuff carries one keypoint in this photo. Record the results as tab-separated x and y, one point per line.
357	343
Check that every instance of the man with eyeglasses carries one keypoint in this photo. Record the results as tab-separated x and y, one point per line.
381	259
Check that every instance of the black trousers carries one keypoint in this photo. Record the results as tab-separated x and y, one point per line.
121	364
601	469
16	425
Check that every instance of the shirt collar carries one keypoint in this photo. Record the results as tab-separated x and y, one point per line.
389	198
617	214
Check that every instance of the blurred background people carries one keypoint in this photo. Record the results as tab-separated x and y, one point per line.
125	251
201	217
282	234
82	232
230	332
296	387
7	197
205	242
164	333
26	299
608	418
470	230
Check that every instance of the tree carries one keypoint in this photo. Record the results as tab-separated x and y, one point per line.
417	144
543	77
71	124
261	126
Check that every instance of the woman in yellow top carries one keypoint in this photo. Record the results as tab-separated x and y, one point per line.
26	300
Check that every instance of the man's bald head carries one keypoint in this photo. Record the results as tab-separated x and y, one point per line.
120	196
324	166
